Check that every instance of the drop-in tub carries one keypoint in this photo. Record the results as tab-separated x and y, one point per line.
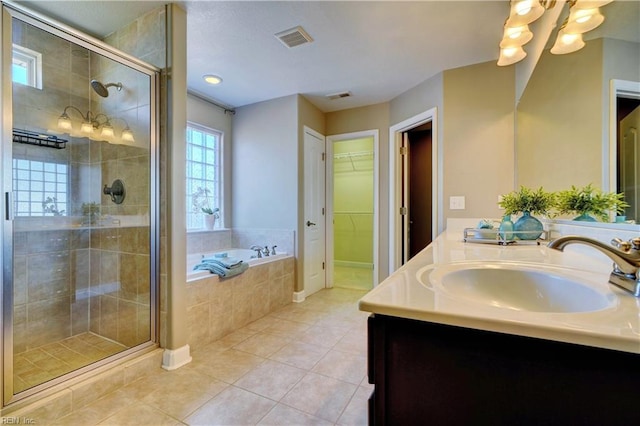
246	255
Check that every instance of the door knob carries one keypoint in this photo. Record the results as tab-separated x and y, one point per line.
309	223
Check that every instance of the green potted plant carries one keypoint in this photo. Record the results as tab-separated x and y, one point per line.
50	206
90	212
528	202
588	202
201	204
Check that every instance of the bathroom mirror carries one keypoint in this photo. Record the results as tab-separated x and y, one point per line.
562	119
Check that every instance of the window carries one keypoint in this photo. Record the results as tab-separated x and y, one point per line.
204	173
40	188
26	67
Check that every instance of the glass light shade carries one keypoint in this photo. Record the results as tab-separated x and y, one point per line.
127	135
107	131
64	122
511	55
567	43
514	37
583	20
86	127
524	12
590	4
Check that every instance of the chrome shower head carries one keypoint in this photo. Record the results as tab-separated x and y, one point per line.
101	89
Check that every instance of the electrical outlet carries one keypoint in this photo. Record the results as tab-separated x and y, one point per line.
456	202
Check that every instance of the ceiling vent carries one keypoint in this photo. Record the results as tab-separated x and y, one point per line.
339	95
294	37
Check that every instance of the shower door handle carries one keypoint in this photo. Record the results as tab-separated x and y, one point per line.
309	223
8	205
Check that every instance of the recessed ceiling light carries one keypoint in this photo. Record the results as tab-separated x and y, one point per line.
212	79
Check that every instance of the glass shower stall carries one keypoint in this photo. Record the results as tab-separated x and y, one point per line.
80	204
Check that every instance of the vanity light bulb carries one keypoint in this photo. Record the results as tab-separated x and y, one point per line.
523	7
568	38
511	55
509	52
583	20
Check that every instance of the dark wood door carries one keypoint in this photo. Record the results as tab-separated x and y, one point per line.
420	188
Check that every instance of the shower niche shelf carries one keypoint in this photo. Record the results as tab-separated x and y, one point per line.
38	139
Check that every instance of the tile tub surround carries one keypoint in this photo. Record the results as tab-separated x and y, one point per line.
220	239
218	307
402	295
302	364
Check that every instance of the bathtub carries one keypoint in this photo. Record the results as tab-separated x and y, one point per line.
246	255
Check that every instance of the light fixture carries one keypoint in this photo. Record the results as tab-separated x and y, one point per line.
64	122
127	135
212	79
524	12
511	55
95	126
584	16
515	36
583	20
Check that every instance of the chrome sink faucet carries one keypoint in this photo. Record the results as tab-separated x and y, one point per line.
625	255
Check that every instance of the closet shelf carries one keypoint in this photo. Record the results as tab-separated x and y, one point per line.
366	157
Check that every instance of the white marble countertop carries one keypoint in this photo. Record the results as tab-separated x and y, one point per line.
403	295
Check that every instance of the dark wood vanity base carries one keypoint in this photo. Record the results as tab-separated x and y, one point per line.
433	374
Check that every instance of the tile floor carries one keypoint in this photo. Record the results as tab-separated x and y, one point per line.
38	365
354	278
302	365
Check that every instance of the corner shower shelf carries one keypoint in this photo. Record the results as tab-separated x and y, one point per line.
31	138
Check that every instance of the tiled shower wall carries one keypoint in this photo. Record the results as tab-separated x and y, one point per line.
69	281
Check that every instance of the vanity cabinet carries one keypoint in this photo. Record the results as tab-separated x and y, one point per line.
433	374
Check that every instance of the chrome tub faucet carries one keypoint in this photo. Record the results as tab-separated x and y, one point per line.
625	255
258	250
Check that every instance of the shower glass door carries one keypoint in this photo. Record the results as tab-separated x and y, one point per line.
82	203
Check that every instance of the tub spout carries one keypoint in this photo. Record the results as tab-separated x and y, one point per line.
258	250
626	268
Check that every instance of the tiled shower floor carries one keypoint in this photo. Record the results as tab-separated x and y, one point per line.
38	365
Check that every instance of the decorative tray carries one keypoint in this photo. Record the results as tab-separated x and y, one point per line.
492	236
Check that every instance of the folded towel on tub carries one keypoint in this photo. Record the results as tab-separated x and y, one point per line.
220	270
227	262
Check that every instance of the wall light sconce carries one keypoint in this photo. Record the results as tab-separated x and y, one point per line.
584	15
95	126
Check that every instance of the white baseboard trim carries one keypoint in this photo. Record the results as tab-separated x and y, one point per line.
298	296
173	359
350	264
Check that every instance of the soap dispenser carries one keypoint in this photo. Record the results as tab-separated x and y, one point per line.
505	231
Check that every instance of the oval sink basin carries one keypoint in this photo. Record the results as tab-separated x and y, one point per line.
515	288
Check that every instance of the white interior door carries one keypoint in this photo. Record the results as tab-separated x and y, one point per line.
314	219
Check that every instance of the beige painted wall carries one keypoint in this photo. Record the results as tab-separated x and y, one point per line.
477	136
560	124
